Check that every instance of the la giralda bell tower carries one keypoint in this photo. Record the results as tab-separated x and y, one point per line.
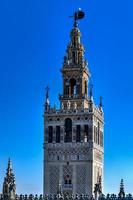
73	147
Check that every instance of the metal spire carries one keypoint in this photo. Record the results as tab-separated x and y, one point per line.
9	168
9	164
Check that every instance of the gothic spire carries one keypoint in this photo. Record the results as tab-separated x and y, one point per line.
9	168
122	192
9	186
101	103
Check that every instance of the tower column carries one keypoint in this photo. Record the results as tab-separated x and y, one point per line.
73	160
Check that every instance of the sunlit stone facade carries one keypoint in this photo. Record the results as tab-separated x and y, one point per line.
73	147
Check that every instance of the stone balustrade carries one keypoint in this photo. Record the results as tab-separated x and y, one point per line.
69	197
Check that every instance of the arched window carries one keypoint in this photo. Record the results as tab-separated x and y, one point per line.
86	130
74	57
98	133
75	90
58	134
78	133
85	87
66	92
94	133
101	138
74	41
90	133
79	57
67	180
73	87
50	134
68	130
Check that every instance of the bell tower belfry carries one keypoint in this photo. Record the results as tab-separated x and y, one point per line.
75	73
73	134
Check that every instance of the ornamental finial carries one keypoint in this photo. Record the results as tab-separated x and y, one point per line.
47	92
47	103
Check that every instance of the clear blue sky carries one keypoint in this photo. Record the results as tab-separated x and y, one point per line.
33	39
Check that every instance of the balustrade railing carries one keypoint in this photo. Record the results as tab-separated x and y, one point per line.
68	197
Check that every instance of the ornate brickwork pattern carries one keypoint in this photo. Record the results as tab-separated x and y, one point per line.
72	197
81	179
53	179
68	170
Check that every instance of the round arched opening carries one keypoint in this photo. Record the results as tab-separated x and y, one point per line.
68	130
73	87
